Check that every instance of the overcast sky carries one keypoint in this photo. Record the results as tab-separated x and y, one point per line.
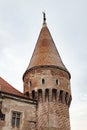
20	25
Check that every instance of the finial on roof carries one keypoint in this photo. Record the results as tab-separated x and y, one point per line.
44	18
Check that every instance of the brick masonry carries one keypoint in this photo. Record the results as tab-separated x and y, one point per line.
54	96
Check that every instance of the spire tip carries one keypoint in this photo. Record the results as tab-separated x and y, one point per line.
44	18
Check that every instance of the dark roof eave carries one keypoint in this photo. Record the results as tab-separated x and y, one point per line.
23	97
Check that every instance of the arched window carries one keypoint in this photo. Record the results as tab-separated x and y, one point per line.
43	81
56	81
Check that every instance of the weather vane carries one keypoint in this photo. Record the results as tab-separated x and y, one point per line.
44	17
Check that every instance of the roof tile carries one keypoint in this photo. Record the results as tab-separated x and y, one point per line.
7	88
45	52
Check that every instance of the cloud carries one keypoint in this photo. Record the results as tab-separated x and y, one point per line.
78	116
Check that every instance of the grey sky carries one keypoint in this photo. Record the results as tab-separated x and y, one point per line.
20	24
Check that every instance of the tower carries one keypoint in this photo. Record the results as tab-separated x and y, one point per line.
48	81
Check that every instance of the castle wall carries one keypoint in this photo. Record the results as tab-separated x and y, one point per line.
25	107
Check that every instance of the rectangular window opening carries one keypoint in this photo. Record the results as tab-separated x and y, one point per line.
16	116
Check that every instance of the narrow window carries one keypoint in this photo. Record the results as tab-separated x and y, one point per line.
43	81
29	83
56	81
16	119
13	119
2	116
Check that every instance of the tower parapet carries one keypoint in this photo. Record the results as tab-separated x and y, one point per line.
45	83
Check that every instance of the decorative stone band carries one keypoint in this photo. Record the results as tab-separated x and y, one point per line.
46	66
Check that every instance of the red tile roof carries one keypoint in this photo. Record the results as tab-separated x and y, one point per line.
7	88
45	52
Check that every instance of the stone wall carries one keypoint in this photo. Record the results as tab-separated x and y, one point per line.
24	106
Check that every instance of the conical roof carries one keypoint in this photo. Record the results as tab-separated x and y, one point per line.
45	52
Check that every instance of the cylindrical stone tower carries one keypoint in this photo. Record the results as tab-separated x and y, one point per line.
48	81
